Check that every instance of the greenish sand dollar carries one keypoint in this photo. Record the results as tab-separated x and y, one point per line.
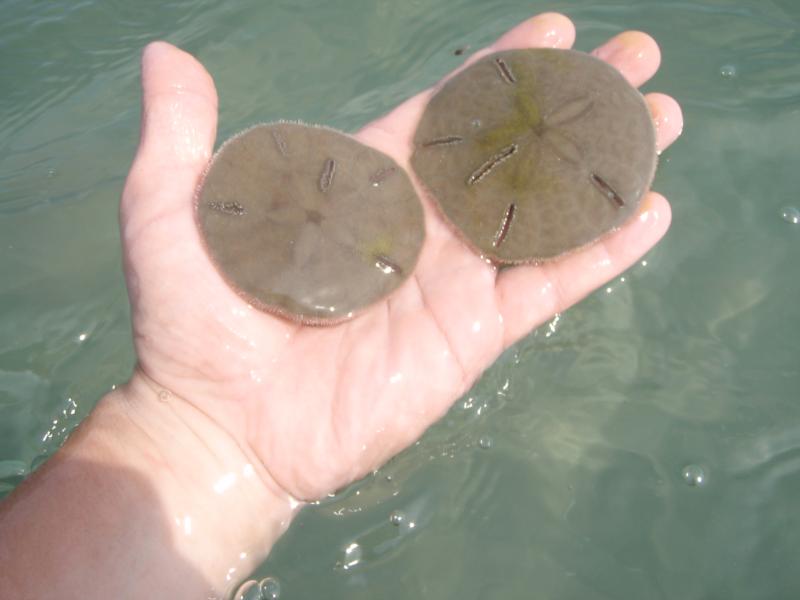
533	153
306	222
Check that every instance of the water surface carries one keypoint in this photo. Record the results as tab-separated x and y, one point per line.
563	473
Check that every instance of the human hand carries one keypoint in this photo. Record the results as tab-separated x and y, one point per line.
177	484
318	407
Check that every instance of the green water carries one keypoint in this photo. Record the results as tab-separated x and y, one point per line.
561	474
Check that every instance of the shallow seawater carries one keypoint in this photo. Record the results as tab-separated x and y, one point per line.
644	444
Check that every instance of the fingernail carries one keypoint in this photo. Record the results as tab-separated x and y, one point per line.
152	53
625	47
551	30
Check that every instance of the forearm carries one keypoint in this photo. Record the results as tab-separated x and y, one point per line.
147	499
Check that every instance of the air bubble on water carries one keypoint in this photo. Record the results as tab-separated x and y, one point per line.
249	590
270	588
397	518
352	556
486	442
728	71
694	475
791	214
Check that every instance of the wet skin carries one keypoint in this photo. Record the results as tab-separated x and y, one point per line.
309	409
380	379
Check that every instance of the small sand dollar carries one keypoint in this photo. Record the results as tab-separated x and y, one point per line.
534	153
308	223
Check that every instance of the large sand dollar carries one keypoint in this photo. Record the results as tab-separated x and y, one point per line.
308	223
534	153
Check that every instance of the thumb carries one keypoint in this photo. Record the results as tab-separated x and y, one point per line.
179	121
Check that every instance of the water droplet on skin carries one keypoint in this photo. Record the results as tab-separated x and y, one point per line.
486	442
38	461
270	588
694	475
249	590
728	71
397	518
791	214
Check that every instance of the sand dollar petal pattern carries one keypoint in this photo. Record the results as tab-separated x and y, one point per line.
533	153
306	222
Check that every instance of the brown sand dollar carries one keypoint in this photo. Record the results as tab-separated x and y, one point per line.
308	223
533	153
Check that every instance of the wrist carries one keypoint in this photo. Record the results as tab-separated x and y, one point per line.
225	510
148	498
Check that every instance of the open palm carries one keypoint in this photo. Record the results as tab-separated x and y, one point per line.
321	406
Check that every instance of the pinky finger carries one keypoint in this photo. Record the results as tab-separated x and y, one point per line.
529	295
